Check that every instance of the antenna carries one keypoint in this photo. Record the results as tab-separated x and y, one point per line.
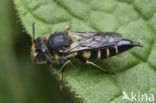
33	32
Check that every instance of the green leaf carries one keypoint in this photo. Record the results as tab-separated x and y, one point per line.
135	70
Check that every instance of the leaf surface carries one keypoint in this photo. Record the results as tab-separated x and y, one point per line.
135	70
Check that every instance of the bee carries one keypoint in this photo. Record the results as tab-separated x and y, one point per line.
60	47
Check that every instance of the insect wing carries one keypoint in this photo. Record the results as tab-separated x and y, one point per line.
87	41
101	40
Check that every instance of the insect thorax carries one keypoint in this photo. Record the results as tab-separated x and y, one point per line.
58	41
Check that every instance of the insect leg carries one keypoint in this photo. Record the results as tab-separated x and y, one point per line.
96	66
65	65
93	64
68	26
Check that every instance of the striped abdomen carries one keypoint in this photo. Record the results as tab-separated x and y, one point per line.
106	52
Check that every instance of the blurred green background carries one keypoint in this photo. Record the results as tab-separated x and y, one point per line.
20	80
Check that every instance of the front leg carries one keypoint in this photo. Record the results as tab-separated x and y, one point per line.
65	65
